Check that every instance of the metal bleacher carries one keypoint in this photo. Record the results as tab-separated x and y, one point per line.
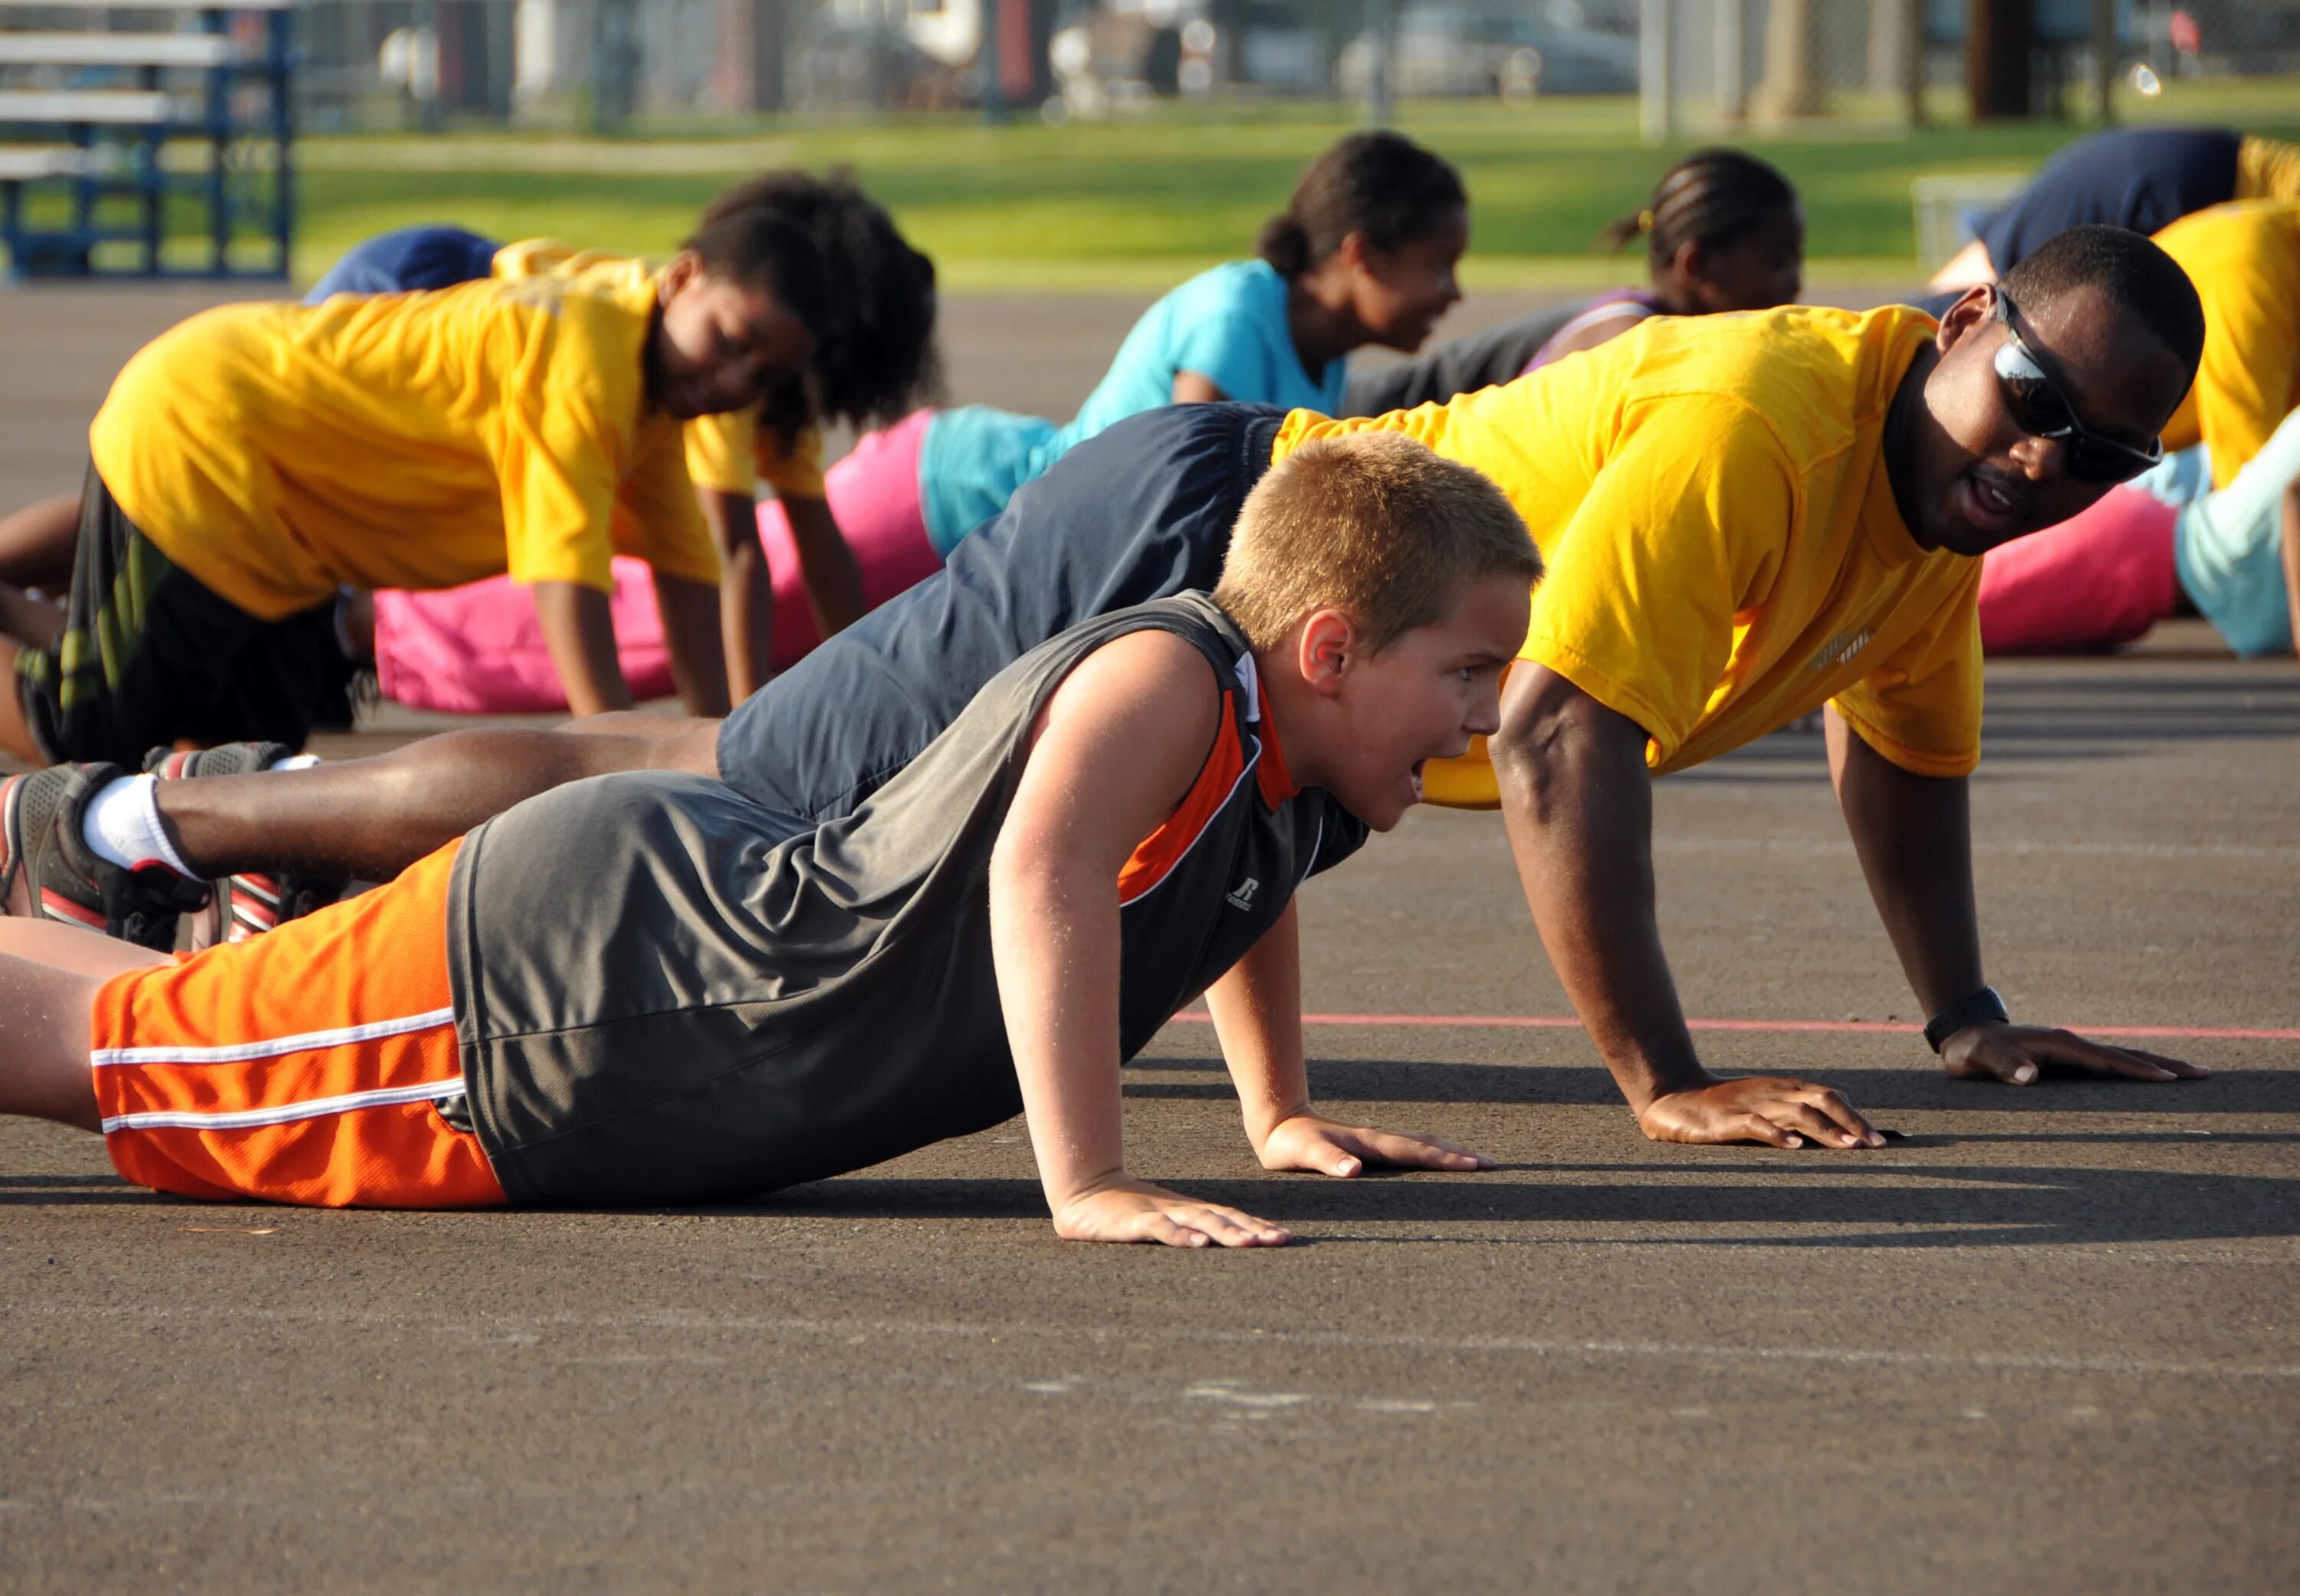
132	150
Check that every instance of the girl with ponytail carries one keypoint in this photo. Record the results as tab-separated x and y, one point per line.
1363	253
1722	231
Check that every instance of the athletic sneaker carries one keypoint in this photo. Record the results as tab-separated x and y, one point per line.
41	841
250	904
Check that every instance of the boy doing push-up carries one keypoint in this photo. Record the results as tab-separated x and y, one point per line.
651	988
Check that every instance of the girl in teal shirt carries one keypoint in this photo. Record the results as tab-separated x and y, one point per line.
1362	255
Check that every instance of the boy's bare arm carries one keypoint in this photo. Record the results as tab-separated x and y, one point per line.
1115	750
1257	1014
578	628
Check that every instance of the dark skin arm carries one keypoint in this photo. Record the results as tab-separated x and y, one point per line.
1914	838
1577	802
826	566
746	598
690	612
578	628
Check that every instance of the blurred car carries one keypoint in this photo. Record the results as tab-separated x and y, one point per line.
1443	48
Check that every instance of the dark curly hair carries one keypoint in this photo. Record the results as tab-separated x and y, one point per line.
1380	184
875	360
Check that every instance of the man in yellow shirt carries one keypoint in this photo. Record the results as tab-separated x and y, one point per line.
1745	522
1744	518
2245	260
254	460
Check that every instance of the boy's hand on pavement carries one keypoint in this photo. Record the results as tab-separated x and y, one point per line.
2019	1056
1323	1146
1125	1209
1778	1111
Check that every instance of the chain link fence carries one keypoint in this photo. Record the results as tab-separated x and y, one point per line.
368	65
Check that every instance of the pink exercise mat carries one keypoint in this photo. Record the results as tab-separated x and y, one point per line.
477	650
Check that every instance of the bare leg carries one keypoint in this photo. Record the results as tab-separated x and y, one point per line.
373	818
49	977
36	543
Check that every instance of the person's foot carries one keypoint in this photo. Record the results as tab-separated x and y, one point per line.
48	871
249	904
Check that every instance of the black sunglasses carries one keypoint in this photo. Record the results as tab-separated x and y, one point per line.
2039	409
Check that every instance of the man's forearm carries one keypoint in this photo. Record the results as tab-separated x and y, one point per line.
1577	802
1913	835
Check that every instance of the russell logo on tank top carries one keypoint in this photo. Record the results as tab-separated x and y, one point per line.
1840	649
1241	896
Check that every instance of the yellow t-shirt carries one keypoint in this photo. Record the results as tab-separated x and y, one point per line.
402	440
2245	260
1724	552
2266	168
730	453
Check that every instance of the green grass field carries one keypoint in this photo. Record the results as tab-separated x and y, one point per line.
1137	205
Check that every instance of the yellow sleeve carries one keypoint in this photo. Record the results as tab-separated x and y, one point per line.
1676	533
2244	385
560	435
1920	708
796	472
657	518
719	451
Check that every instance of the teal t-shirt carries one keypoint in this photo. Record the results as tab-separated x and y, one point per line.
1227	325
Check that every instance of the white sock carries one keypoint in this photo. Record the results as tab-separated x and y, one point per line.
295	761
122	824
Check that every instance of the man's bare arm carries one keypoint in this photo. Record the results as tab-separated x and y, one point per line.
1577	802
1914	836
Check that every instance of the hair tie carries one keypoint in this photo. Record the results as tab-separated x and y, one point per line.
1644	221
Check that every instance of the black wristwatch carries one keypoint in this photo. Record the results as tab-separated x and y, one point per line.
1982	1008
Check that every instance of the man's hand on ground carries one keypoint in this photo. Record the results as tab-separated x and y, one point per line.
1127	1209
1777	1111
2019	1055
1322	1146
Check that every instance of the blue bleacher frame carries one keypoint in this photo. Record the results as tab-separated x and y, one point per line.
73	250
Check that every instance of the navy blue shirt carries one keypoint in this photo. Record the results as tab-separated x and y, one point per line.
2141	178
1141	511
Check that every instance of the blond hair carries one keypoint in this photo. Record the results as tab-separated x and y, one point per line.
1371	523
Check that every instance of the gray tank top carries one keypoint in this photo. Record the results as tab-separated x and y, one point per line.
666	992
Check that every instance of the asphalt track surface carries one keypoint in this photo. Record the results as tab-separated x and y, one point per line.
2044	1344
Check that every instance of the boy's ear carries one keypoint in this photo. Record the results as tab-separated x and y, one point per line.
685	266
1326	649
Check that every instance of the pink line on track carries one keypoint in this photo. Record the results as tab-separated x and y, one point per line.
1566	1022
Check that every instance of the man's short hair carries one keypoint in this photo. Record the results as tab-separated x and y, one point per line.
1372	523
2139	280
